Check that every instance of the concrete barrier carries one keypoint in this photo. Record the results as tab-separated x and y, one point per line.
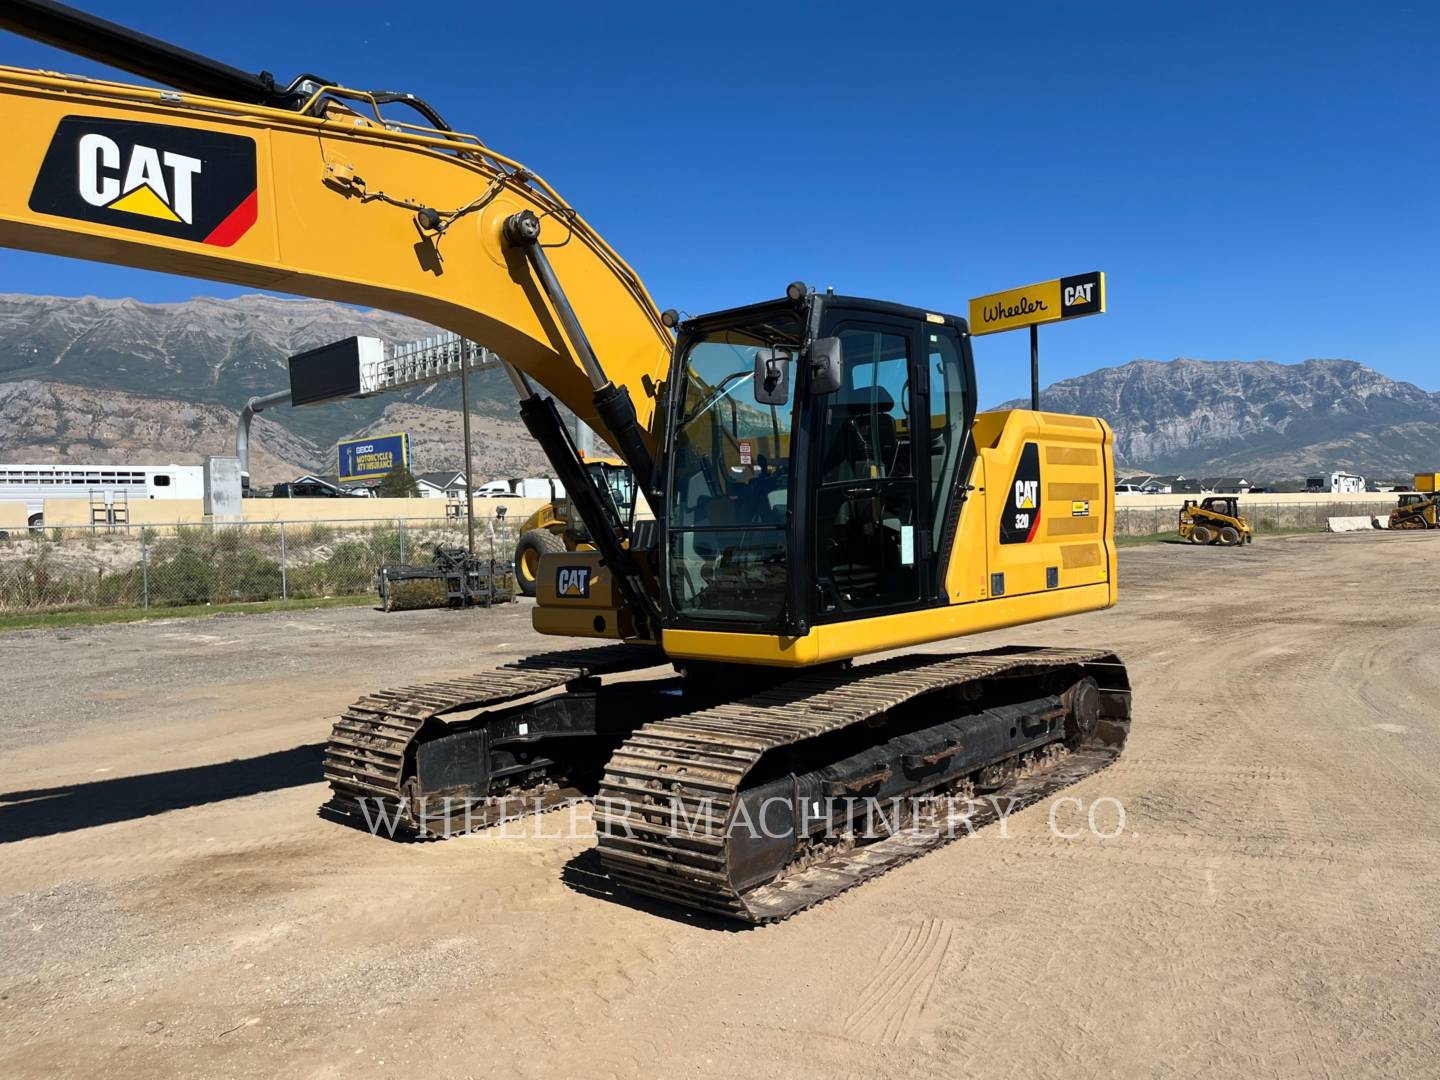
1356	524
1146	515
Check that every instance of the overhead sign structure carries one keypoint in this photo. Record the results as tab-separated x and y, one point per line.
368	459
1049	301
1031	305
360	367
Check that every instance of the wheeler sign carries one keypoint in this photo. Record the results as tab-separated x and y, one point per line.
368	459
1049	301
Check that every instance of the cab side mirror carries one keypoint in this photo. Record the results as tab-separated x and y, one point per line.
826	370
772	376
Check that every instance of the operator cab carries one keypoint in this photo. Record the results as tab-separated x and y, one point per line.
815	456
1228	505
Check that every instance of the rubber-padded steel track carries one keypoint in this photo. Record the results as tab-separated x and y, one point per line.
371	748
696	765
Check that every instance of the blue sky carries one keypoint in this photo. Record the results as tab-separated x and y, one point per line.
1259	181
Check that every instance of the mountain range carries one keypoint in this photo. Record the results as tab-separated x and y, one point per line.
94	379
1266	421
212	352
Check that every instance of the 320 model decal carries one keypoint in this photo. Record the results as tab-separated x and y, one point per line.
181	182
1021	516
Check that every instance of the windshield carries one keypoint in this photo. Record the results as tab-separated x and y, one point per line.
730	474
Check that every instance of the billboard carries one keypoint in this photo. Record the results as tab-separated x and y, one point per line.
369	459
1047	301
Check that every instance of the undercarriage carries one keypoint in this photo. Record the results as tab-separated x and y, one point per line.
752	808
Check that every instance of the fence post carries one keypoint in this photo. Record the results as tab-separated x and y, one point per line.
284	584
145	567
401	523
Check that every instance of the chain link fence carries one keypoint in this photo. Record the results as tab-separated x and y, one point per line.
1263	517
174	565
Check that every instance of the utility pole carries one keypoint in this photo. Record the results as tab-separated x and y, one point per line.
469	478
1034	368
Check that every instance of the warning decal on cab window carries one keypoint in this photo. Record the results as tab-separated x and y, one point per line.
747	454
1021	516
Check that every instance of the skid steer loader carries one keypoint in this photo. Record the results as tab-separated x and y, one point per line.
1214	520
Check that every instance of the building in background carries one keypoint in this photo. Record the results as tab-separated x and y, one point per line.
443	485
1224	485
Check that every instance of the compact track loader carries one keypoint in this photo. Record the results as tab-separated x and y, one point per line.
1416	510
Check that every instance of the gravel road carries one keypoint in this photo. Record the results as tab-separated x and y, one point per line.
173	906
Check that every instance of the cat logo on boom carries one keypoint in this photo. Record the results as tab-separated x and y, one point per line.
572	582
182	182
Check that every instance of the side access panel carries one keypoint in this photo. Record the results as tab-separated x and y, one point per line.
1050	505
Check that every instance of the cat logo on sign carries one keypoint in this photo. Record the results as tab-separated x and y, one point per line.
572	582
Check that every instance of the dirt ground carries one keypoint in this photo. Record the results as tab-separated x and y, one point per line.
173	905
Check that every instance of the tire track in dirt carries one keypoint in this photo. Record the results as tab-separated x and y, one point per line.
892	1001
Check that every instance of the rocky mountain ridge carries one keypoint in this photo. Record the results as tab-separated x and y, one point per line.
1265	420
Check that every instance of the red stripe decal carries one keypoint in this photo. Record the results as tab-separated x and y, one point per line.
1034	524
237	223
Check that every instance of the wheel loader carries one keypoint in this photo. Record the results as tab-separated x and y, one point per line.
555	529
825	490
1214	520
1416	510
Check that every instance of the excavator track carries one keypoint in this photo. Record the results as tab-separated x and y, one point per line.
370	757
667	810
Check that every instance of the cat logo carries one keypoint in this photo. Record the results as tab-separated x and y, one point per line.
179	182
1082	294
1020	520
572	582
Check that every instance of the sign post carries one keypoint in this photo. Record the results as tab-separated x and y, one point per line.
1048	301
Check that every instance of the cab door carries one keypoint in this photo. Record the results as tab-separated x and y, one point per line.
871	507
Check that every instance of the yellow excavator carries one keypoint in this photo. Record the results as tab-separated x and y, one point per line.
824	491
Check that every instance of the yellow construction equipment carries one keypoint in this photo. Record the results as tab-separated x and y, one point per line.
555	529
824	489
1416	510
1214	520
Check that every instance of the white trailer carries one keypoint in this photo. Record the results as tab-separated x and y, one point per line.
110	484
528	487
1346	484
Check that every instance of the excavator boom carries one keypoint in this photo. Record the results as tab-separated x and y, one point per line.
328	199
